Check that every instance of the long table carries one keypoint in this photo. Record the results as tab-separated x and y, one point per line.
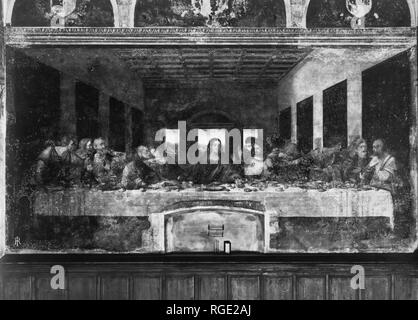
181	218
292	202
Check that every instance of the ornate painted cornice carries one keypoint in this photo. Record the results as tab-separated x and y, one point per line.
174	36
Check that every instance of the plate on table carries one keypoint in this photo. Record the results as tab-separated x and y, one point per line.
214	188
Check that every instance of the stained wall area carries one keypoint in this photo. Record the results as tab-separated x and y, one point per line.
45	103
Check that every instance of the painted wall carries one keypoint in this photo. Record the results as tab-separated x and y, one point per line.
165	107
322	69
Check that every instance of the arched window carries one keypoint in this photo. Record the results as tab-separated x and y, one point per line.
219	13
87	13
334	14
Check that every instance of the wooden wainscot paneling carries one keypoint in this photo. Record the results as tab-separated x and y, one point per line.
212	288
179	287
147	287
245	287
340	289
377	288
44	290
114	287
310	288
82	287
277	288
406	288
16	287
213	279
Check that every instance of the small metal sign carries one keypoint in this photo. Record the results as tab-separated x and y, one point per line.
216	231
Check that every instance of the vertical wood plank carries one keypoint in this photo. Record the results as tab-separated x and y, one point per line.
294	287
146	288
114	287
340	289
82	287
16	287
311	288
377	288
278	288
99	287
179	287
45	292
406	288
245	288
212	288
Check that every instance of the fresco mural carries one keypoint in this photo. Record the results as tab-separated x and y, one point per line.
306	146
222	13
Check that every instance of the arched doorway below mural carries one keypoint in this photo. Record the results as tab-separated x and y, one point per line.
206	229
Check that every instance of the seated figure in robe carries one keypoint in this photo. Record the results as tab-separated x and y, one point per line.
85	152
107	165
326	163
355	161
138	173
59	165
214	170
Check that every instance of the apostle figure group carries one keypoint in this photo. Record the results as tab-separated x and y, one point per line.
94	164
353	166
